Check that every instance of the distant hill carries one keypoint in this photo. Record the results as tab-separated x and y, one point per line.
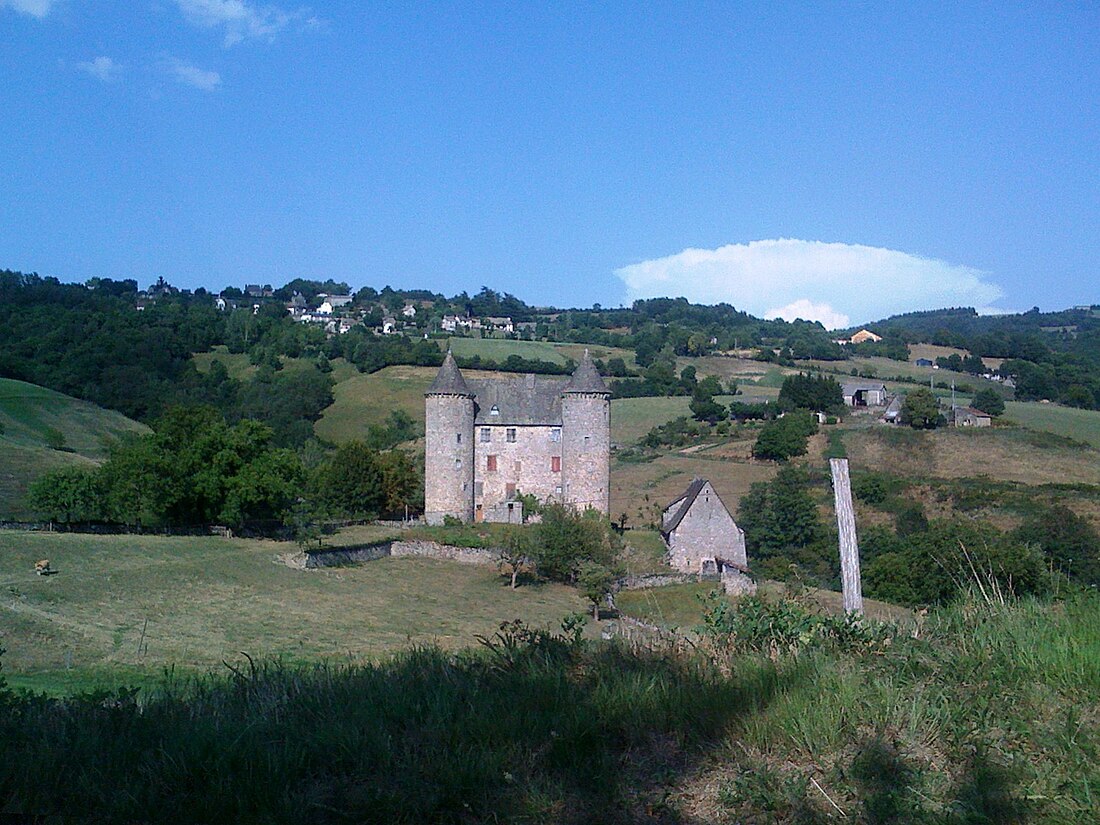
41	430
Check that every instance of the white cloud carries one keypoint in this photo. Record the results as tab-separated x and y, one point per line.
237	19
35	8
830	282
809	311
193	76
102	68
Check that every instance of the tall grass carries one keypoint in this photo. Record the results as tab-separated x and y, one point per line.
978	713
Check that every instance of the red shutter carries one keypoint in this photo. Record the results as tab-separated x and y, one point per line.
555	464
491	463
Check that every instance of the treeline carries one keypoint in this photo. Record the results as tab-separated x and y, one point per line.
1050	355
195	469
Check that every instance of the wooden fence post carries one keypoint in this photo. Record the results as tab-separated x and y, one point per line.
849	545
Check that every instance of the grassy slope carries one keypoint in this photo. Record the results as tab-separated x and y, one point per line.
1080	425
206	599
27	413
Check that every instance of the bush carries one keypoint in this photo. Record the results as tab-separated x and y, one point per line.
1068	540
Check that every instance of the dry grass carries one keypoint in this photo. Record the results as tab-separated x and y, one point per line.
934	351
1005	454
643	490
206	599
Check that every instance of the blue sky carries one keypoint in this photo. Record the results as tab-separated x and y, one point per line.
836	161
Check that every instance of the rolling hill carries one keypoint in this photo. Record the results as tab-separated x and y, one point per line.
41	430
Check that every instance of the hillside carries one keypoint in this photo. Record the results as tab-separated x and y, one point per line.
41	430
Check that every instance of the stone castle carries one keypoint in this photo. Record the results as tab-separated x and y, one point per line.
487	441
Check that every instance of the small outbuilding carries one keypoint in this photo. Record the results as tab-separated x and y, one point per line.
924	362
970	417
703	538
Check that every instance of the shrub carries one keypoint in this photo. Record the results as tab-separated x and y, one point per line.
989	401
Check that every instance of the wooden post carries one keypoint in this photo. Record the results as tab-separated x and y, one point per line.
849	545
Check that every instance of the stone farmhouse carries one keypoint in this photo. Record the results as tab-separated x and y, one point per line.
487	441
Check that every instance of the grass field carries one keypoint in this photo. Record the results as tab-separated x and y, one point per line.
1070	422
32	418
208	599
1007	454
239	367
498	349
632	418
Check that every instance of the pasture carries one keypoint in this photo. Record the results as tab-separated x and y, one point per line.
498	349
1069	422
122	608
43	430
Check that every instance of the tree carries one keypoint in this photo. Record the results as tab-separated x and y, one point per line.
779	514
516	554
565	538
595	582
703	406
71	494
351	482
921	410
989	401
785	437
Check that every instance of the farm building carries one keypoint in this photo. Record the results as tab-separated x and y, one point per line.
970	417
703	538
864	395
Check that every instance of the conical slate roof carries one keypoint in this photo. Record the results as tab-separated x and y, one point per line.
586	378
449	381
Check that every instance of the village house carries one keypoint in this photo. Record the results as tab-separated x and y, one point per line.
409	311
865	335
389	325
488	441
703	538
449	323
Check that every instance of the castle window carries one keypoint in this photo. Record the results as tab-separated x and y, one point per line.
555	463
518	467
458	438
491	463
458	463
509	490
486	435
555	434
494	410
510	435
586	440
479	487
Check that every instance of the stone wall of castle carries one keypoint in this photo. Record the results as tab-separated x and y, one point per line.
449	457
586	451
524	464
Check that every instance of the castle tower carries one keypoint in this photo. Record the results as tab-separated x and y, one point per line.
586	440
448	446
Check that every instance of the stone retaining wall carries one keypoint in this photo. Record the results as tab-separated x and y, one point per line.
337	556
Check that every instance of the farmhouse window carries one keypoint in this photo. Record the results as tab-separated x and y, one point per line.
491	463
510	435
486	435
555	464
